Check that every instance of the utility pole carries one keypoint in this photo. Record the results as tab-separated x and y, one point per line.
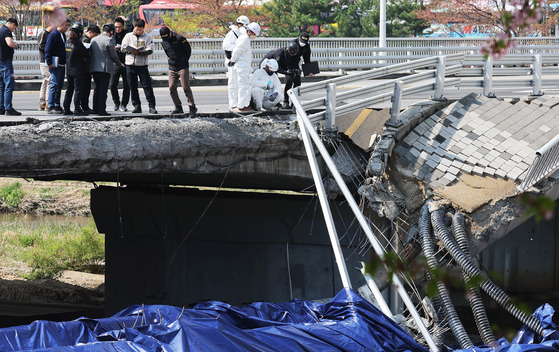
382	25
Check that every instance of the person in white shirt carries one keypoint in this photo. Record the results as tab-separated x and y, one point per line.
228	46
241	60
265	85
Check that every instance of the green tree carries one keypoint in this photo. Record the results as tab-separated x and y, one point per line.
360	18
289	17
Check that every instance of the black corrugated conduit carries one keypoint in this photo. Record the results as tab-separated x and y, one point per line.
425	231
474	295
443	234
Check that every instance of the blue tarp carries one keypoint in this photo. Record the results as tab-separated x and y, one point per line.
347	323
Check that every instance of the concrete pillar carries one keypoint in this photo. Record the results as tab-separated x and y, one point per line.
234	246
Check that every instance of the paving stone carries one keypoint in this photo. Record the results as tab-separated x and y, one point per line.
483	162
499	137
478	170
436	158
404	162
477	155
492	132
507	167
498	162
436	184
447	179
467	168
436	175
415	152
489	171
445	162
455	150
410	156
494	153
432	163
457	163
501	173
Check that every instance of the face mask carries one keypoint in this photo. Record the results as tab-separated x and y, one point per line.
270	72
301	43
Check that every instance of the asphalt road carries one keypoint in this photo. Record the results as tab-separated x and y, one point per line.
213	99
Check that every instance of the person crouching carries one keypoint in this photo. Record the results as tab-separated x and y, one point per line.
266	86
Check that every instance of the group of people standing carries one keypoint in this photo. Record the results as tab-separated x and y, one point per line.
119	51
262	90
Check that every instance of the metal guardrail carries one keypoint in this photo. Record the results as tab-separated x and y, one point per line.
309	135
429	80
332	54
547	161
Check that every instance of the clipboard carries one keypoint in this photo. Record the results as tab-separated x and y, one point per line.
311	67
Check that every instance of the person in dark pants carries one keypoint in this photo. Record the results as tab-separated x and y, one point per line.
92	32
120	32
137	46
76	57
103	56
178	51
293	79
7	80
55	58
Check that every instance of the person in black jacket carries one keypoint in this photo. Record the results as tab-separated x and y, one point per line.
76	57
55	58
287	66
120	32
293	80
178	51
92	32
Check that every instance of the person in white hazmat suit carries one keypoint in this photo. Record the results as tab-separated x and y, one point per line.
241	60
228	46
265	85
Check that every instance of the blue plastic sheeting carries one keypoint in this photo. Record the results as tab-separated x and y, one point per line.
526	340
347	323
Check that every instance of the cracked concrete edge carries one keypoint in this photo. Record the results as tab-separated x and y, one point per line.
408	120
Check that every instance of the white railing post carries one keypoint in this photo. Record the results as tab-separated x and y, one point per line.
323	198
307	130
330	107
439	79
341	63
488	78
537	75
396	103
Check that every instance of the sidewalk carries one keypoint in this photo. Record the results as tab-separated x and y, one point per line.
216	79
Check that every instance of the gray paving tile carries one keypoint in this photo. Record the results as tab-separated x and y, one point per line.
467	168
478	170
489	171
501	173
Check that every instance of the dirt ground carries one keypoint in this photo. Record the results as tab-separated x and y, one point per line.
52	198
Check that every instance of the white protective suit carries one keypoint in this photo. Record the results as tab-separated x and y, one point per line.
263	87
240	75
228	45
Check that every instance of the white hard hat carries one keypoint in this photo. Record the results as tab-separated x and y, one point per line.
264	63
272	65
243	20
254	27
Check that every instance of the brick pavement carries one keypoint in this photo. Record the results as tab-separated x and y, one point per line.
480	136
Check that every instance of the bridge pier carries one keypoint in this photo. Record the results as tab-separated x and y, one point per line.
180	246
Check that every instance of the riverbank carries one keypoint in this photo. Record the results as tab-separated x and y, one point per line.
67	198
30	209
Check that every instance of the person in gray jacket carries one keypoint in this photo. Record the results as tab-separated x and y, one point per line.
103	55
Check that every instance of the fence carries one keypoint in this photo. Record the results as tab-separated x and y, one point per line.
332	54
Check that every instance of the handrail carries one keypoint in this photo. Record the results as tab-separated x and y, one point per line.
308	131
547	160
